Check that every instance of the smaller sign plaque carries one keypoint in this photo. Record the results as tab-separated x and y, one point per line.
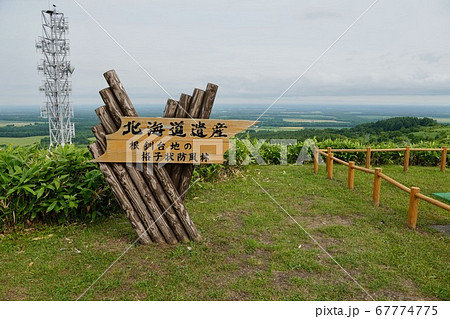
171	140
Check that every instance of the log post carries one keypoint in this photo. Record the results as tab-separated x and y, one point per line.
149	200
351	175
198	111
413	207
127	109
377	187
316	160
119	193
443	158
406	160
368	156
171	109
329	163
183	111
130	182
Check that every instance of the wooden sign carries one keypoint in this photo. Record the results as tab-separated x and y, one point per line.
171	140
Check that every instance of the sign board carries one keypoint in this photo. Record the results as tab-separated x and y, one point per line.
171	140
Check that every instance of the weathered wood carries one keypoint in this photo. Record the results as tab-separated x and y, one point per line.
178	204
413	207
147	198
406	159
128	110
443	158
183	111
119	193
204	112
127	182
170	111
171	108
377	187
351	174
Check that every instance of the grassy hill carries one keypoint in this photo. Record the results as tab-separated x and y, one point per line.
251	250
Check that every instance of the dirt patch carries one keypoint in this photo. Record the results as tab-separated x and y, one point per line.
409	292
445	229
317	221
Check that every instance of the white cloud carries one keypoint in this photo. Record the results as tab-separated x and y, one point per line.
252	50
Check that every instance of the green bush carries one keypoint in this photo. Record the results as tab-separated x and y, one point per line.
56	186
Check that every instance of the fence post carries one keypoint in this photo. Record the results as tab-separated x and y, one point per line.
329	163
351	174
443	158
376	187
316	159
368	155
406	161
413	207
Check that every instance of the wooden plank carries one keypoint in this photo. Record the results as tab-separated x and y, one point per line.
120	195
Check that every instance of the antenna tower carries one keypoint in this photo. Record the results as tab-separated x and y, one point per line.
56	69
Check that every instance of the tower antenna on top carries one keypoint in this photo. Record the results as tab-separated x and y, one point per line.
56	69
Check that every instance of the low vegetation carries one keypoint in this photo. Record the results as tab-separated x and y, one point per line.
251	250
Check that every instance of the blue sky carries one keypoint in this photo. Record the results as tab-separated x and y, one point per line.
398	53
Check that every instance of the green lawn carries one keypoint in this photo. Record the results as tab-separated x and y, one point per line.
251	250
22	141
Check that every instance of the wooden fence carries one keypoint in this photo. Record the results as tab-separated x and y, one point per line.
407	150
414	192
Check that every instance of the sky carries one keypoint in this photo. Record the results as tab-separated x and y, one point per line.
398	53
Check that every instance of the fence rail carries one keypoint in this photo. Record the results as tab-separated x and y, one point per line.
414	192
407	150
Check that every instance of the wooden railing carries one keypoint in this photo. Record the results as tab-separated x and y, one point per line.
407	150
414	192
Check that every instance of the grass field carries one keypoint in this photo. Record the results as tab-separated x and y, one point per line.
22	141
251	250
6	123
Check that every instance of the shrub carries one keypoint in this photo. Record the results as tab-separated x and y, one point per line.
56	186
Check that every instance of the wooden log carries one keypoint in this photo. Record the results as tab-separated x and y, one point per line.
368	156
433	201
329	164
178	204
413	207
316	160
203	111
126	180
395	183
183	111
363	169
406	159
351	175
148	199
119	193
377	187
443	158
170	111
128	110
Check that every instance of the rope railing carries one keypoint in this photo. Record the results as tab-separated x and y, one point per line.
414	192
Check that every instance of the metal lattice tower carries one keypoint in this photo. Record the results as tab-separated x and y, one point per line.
56	68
